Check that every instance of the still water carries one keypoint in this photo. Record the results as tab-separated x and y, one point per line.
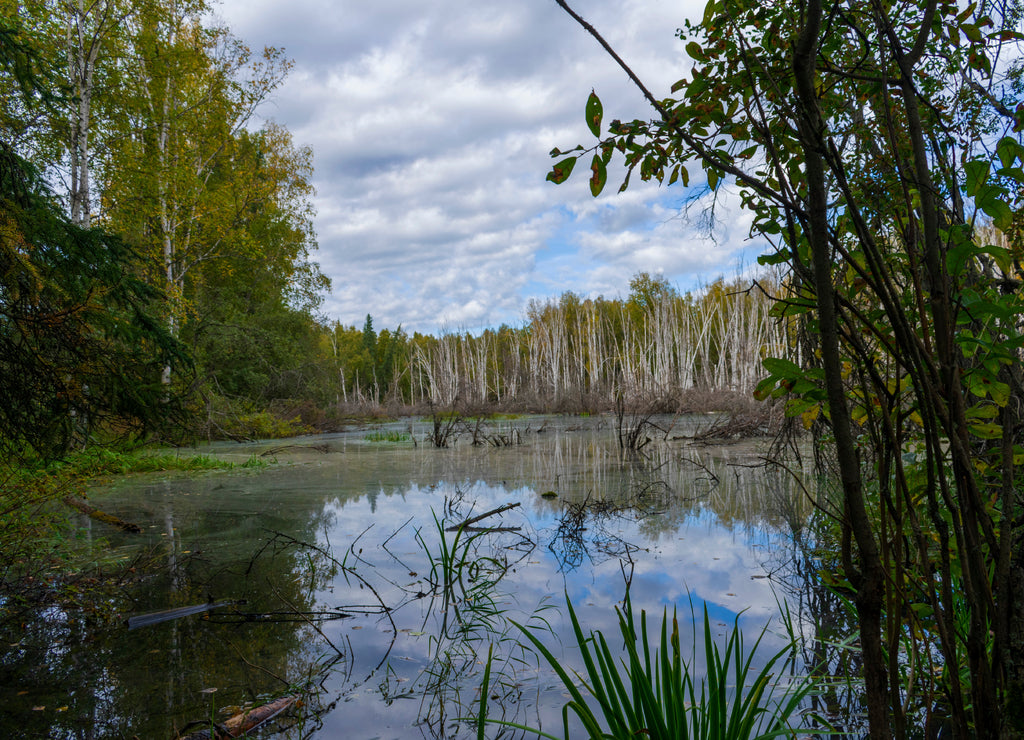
330	560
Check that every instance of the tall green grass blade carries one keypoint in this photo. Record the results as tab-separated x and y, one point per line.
652	692
481	720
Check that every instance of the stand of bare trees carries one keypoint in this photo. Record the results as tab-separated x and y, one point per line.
575	353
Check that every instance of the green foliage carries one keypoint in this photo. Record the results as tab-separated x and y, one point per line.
145	114
463	587
242	419
655	692
878	150
463	579
22	63
97	462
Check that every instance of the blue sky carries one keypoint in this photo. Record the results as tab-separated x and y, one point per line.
431	124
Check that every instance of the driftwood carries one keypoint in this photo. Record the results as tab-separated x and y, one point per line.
101	516
166	615
475	519
243	722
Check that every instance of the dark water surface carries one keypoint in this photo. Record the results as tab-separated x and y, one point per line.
326	553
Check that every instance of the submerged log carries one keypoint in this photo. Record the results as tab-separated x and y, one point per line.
166	615
100	516
243	722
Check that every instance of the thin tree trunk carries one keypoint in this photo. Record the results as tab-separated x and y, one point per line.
868	581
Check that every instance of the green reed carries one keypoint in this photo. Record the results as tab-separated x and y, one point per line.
654	692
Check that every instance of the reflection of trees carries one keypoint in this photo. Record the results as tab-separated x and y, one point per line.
97	680
824	617
579	459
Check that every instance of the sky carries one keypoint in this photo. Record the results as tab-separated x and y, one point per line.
431	125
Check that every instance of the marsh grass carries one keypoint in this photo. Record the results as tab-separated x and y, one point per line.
97	462
392	436
464	579
654	692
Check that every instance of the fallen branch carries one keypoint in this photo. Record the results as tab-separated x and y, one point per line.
101	516
475	519
243	722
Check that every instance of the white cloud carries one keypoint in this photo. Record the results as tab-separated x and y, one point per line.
431	125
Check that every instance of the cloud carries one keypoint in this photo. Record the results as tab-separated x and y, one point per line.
431	125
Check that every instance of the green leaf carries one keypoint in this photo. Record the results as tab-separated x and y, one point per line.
1002	216
985	430
782	367
1009	149
977	174
594	113
966	13
775	258
709	12
561	171
999	392
764	389
959	256
971	32
600	176
982	411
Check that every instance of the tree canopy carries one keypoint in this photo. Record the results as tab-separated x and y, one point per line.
139	197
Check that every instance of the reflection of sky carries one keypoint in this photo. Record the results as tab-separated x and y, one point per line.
702	551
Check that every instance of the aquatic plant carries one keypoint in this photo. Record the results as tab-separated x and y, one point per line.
470	612
465	578
655	692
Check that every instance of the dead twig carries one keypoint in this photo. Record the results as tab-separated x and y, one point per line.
475	519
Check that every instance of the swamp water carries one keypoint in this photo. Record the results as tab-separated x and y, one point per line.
333	557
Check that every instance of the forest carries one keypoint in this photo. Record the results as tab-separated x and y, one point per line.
131	128
158	283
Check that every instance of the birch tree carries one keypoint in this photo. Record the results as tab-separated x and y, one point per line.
195	90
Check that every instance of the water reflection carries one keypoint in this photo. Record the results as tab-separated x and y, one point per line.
332	554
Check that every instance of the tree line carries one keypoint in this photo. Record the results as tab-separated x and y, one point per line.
572	353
